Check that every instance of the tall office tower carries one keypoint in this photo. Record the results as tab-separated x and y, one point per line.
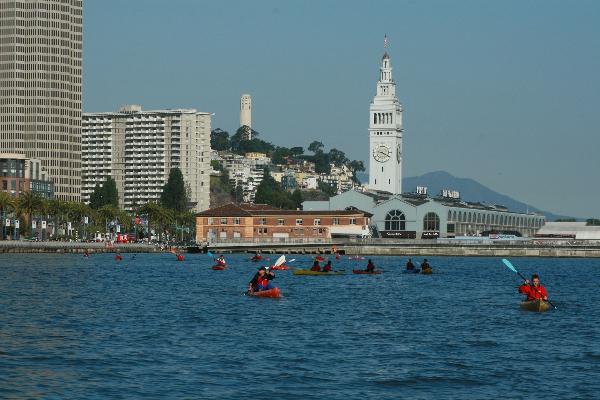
246	114
139	148
40	87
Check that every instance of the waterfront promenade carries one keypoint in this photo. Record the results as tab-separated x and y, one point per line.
360	247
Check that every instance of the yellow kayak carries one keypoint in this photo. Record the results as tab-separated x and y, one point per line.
535	305
309	272
427	271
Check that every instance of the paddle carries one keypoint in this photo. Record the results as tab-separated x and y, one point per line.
513	269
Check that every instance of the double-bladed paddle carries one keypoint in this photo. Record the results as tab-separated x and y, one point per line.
513	269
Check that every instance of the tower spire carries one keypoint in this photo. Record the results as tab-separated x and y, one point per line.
385	41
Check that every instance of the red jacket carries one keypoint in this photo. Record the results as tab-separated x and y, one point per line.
532	292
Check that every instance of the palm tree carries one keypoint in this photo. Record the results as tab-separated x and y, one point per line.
29	203
7	203
157	215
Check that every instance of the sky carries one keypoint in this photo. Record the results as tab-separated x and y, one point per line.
506	93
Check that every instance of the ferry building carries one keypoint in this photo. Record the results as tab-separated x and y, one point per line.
415	215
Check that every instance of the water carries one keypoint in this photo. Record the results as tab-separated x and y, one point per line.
152	327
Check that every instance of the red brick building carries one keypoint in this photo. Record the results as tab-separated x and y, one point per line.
256	221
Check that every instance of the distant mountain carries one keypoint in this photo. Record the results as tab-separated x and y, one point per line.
470	190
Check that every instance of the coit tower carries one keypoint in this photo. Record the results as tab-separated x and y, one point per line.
246	114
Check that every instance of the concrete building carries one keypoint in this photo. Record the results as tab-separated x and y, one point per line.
260	222
139	149
246	114
569	230
40	87
385	134
19	174
413	215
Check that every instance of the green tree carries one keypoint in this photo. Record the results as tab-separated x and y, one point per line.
316	147
337	157
297	198
356	166
105	194
174	195
569	219
297	151
28	204
326	188
219	140
592	222
280	155
7	205
322	165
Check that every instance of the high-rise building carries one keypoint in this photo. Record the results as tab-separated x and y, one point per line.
385	134
139	148
40	87
246	114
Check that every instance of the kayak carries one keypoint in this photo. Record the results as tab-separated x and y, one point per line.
427	271
309	272
411	271
256	259
535	305
280	268
319	259
363	272
219	267
179	257
275	292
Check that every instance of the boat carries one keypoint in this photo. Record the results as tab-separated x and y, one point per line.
180	257
535	305
363	272
256	259
309	272
273	293
219	267
280	268
427	271
411	271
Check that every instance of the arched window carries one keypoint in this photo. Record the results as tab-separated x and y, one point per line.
431	222
449	215
395	221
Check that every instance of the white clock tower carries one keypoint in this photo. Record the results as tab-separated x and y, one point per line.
385	133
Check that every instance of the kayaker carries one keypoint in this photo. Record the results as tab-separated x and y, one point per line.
257	257
315	266
370	266
220	260
425	265
533	289
261	280
409	265
327	267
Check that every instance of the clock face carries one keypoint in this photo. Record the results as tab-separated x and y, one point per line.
382	153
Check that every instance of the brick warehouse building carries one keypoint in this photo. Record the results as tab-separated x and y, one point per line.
260	221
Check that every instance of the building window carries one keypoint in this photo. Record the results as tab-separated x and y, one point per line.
335	221
352	221
395	221
431	222
298	221
262	221
223	221
317	221
280	221
450	228
236	221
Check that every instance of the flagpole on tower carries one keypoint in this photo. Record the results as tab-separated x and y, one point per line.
385	41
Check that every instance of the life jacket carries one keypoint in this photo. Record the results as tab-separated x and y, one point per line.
532	292
327	268
262	282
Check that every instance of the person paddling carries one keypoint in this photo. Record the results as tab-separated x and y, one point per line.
261	280
315	267
221	260
370	266
533	289
409	265
327	267
425	265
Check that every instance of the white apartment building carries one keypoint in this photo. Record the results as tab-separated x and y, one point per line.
40	87
139	149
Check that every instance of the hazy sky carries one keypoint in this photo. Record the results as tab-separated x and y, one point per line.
504	92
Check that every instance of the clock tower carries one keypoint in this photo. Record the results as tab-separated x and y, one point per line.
385	133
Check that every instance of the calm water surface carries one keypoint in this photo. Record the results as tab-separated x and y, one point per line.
152	327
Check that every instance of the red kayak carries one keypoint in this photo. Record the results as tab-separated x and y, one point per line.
280	267
363	272
273	293
219	267
179	257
